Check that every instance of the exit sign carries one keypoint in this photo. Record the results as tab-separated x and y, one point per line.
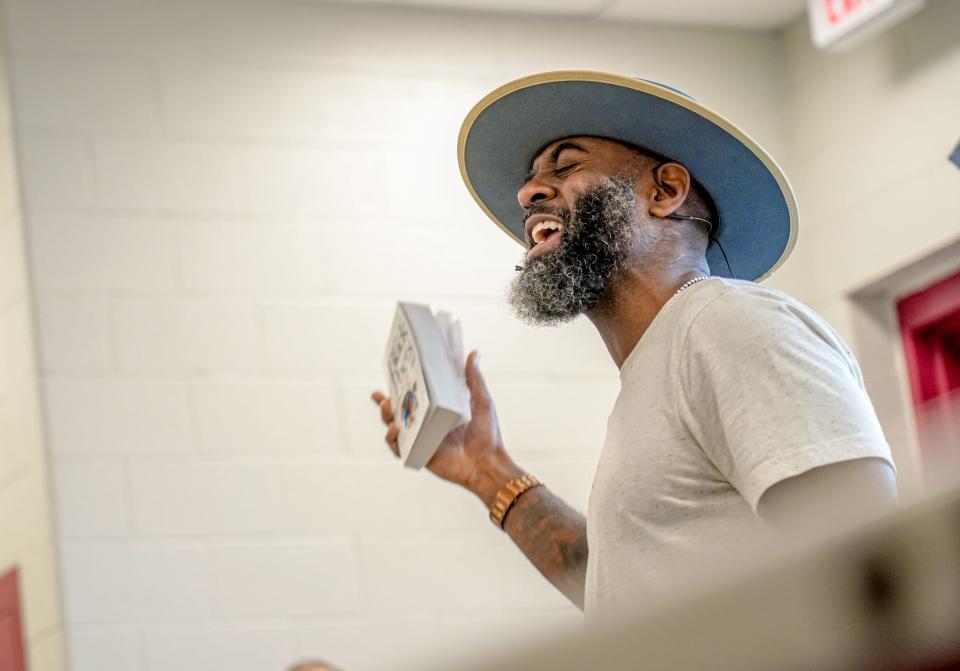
839	24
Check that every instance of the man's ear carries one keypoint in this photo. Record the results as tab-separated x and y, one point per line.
671	186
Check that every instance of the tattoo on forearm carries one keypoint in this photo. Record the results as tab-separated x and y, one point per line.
553	536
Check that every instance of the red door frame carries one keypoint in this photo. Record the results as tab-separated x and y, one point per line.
12	657
930	327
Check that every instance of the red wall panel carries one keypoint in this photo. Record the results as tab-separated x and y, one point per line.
930	326
11	631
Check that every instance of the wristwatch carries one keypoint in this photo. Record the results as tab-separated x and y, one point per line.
508	495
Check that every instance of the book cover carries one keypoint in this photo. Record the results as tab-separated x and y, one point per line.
424	366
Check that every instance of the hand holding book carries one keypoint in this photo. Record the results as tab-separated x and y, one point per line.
547	531
428	391
471	455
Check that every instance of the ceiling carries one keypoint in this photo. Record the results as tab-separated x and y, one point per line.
749	14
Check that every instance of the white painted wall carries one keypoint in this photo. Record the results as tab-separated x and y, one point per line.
869	136
27	539
224	201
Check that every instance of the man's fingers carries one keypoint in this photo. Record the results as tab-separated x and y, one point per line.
392	431
386	412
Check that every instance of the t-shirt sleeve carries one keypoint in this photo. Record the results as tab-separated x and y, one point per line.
770	391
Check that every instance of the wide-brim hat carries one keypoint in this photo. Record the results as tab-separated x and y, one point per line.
505	131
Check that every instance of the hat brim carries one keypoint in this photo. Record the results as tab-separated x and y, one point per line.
503	132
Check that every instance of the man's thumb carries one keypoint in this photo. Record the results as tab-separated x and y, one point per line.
475	381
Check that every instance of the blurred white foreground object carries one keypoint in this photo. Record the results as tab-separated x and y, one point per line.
886	596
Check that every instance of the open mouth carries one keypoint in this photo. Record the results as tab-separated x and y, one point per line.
545	230
544	237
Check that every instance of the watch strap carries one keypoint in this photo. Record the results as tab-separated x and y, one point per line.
508	495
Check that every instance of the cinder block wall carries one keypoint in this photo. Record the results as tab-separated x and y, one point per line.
224	200
28	542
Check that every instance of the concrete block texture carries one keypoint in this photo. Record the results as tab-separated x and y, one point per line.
250	648
286	579
54	93
106	648
115	582
92	499
95	416
68	254
186	336
268	417
201	498
74	334
167	175
55	172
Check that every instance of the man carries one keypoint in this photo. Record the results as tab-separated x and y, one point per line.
741	412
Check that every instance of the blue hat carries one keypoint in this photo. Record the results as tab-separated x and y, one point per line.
505	131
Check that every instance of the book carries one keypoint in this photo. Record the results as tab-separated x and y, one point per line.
424	364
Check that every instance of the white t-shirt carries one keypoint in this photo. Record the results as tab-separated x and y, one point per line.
733	388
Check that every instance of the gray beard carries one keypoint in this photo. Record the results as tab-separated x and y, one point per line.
596	244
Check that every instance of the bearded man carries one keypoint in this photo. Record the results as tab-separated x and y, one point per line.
741	411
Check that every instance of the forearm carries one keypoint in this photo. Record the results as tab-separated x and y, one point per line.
550	533
553	536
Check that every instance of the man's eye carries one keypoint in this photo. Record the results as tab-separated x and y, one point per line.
562	170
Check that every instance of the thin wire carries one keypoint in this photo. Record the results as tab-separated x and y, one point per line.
725	260
710	237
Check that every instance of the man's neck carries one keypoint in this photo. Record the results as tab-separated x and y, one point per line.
632	302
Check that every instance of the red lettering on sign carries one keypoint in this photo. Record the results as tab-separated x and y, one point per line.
831	14
839	11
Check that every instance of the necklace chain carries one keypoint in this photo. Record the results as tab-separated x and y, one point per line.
690	283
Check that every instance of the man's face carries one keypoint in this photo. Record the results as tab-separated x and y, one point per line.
562	173
580	208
